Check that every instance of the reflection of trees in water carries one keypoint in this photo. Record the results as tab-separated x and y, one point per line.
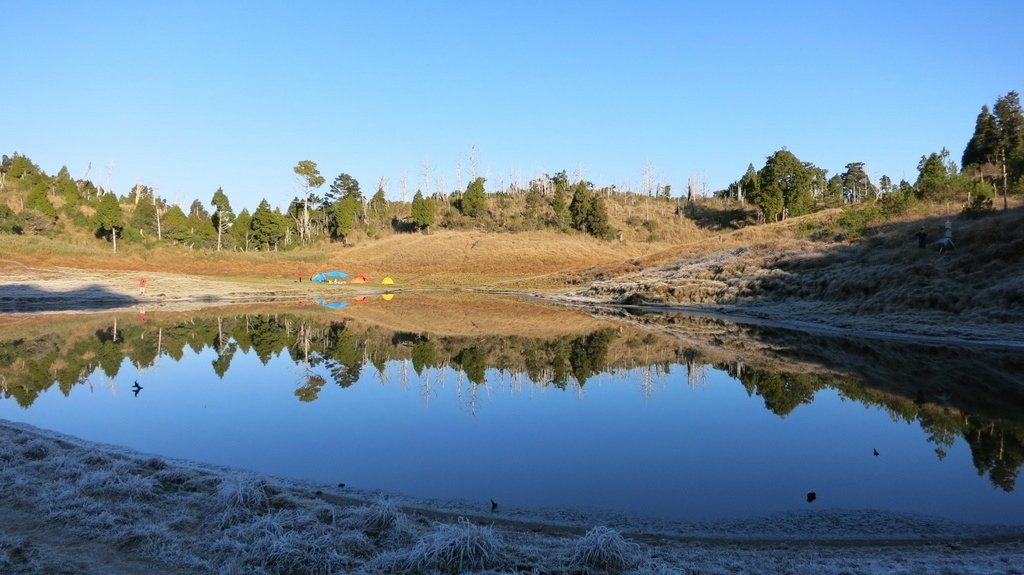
782	392
338	352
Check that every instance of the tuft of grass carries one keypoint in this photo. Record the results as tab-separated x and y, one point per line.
241	497
604	550
384	520
456	548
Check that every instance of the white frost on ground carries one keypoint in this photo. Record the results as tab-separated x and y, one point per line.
68	506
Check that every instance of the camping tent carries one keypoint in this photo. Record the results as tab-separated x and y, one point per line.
332	304
328	276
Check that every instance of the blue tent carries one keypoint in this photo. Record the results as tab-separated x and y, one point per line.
328	276
332	305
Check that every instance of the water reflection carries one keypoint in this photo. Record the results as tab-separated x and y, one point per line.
951	393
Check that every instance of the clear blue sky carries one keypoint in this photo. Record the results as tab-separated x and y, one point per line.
188	97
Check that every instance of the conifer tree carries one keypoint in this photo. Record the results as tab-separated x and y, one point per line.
109	218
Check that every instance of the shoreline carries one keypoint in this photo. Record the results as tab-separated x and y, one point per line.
176	516
76	291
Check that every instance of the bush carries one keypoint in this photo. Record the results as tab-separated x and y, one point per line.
855	222
8	221
32	222
897	202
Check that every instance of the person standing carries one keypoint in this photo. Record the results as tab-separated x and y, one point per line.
922	237
142	286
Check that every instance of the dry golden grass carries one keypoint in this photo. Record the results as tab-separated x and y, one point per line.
437	259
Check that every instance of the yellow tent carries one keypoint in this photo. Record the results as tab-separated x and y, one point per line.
387	281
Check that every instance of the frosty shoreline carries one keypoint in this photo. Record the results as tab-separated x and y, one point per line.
72	506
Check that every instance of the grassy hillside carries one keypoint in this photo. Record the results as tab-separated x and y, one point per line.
808	269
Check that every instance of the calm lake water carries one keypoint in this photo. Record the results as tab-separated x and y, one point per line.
534	405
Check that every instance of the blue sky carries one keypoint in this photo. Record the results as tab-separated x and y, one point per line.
188	97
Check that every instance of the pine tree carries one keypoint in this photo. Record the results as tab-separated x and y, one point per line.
474	201
222	215
241	229
109	218
344	218
264	227
423	211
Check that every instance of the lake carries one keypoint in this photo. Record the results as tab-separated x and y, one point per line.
534	405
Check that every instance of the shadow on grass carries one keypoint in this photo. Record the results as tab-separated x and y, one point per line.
886	272
25	298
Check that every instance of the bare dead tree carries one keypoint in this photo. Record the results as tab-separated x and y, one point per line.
649	174
110	175
425	176
404	183
159	212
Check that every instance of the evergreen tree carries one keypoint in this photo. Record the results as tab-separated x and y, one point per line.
423	211
344	218
109	218
934	173
856	183
560	201
378	202
983	146
834	189
777	177
67	189
474	201
222	215
750	184
241	229
265	227
143	219
38	201
8	220
345	186
1011	141
176	225
587	211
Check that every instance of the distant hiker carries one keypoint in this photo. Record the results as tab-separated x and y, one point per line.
300	278
922	237
142	286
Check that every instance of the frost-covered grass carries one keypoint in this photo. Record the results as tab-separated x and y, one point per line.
69	506
604	550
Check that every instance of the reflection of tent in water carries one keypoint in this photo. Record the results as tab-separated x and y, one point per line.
387	296
328	276
332	304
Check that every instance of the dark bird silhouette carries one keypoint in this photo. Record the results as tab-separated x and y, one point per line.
875	451
341	485
136	389
811	496
494	505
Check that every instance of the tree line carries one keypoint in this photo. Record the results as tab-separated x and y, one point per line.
39	204
34	203
992	162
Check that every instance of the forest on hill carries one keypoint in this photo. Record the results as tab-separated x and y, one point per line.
990	171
